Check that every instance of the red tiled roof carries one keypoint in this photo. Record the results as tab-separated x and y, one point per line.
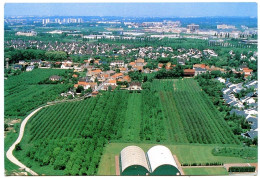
82	83
203	66
189	71
132	63
117	75
140	60
160	65
112	81
247	70
122	69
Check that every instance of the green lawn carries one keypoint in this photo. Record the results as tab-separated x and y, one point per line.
189	153
213	171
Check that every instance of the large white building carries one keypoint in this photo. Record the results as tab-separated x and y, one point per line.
133	161
157	161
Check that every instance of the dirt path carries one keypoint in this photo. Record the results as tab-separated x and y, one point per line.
9	153
200	166
117	165
178	164
174	88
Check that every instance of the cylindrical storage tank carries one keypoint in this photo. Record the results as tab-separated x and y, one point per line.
162	162
133	161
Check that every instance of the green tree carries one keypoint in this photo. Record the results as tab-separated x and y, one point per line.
18	147
79	89
6	126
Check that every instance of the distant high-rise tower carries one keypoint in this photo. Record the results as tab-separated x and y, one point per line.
193	27
7	63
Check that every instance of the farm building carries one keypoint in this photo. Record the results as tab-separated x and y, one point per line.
189	72
162	162
133	161
55	78
157	161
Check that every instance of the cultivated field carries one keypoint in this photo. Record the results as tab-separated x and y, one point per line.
68	138
189	114
22	93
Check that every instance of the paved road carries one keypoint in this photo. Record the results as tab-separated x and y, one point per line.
100	86
9	153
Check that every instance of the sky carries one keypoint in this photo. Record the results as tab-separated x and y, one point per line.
132	9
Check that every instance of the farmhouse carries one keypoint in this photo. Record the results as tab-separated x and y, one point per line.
94	93
247	72
17	66
189	72
135	86
34	61
22	62
181	61
86	85
199	71
55	78
29	68
66	64
160	65
203	66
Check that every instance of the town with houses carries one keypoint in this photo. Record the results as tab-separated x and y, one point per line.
88	95
96	79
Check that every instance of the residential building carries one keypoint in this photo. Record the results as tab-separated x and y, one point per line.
94	72
29	68
17	66
36	61
247	72
55	78
189	72
199	71
118	63
135	86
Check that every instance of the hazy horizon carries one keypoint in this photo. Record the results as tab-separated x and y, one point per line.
166	10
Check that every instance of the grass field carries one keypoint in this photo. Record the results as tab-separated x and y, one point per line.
216	171
190	153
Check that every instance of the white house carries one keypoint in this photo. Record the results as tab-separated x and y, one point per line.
29	68
119	63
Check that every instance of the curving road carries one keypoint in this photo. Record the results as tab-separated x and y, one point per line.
9	153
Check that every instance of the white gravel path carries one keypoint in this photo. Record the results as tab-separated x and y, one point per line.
9	153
